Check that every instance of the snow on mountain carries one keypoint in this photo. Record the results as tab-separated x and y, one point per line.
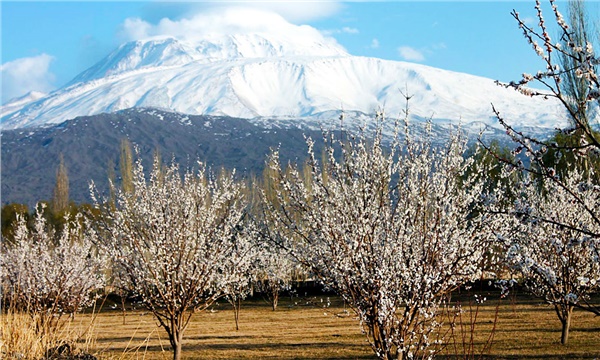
14	104
168	51
260	75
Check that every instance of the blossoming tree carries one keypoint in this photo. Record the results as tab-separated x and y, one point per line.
48	275
238	270
274	272
558	263
554	236
170	237
390	228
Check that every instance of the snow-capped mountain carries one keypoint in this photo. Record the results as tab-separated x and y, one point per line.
274	76
19	102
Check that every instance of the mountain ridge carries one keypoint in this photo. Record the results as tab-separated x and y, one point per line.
270	80
90	144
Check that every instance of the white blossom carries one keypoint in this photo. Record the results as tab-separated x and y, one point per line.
173	240
47	274
390	228
558	263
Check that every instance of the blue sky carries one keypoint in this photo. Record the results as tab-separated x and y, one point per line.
46	44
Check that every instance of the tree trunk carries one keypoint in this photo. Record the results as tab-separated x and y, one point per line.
379	343
275	300
175	335
177	350
566	324
237	304
123	307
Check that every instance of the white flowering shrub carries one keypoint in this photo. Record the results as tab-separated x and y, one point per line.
170	240
390	228
238	269
274	272
553	235
48	275
549	241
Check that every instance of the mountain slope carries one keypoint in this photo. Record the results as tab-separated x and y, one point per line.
254	76
17	103
89	144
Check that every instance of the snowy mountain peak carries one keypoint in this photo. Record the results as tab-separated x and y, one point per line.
139	54
261	45
252	64
161	51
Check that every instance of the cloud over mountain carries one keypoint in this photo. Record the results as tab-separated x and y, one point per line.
23	75
410	54
218	21
254	63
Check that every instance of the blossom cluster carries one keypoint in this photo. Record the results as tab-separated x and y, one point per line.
389	228
551	242
44	273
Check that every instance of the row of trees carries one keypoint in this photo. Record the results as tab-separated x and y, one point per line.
392	224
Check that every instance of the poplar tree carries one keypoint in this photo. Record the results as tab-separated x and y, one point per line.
60	195
126	166
575	87
552	230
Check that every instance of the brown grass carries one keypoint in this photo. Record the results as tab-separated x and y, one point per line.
525	329
529	329
292	332
22	338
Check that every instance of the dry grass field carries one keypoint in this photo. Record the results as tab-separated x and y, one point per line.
291	332
524	329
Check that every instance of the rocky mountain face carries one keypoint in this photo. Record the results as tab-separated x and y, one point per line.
90	147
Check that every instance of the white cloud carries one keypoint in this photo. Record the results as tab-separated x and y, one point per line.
231	20
374	44
410	54
349	30
23	75
135	29
344	30
529	20
220	20
298	11
295	11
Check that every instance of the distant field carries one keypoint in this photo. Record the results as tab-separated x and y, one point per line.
525	329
